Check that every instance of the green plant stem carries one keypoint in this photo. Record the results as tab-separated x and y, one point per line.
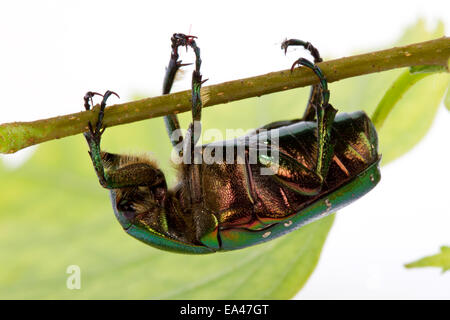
19	135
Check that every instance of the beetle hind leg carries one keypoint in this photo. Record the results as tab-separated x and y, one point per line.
307	45
325	114
315	94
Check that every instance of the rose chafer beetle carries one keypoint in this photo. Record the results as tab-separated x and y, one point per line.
323	162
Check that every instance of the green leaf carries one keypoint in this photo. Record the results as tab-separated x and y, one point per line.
53	212
398	89
412	116
427	69
447	99
440	260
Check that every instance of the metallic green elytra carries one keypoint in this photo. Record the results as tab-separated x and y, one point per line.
238	193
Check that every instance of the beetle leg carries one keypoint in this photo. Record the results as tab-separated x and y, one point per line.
194	130
307	45
171	120
88	99
116	178
137	172
325	114
315	94
203	221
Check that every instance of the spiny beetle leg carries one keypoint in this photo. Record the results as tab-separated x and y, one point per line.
192	136
325	114
323	81
88	104
179	39
203	220
174	63
171	121
95	133
102	109
315	93
93	136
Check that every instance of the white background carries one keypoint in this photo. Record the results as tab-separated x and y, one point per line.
52	52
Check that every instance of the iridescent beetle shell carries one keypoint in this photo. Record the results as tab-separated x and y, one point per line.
266	188
276	205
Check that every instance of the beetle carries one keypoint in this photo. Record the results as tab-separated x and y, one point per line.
318	164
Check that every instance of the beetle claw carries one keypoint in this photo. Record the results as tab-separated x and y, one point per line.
284	46
179	64
305	44
91	129
95	132
88	98
295	63
107	95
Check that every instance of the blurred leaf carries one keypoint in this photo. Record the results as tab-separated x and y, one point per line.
412	117
447	99
401	85
394	94
53	212
427	69
54	215
440	260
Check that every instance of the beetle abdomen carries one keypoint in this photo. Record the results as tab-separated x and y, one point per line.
271	205
255	199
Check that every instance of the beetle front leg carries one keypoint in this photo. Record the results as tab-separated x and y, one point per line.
194	131
192	156
137	173
93	136
178	39
171	120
